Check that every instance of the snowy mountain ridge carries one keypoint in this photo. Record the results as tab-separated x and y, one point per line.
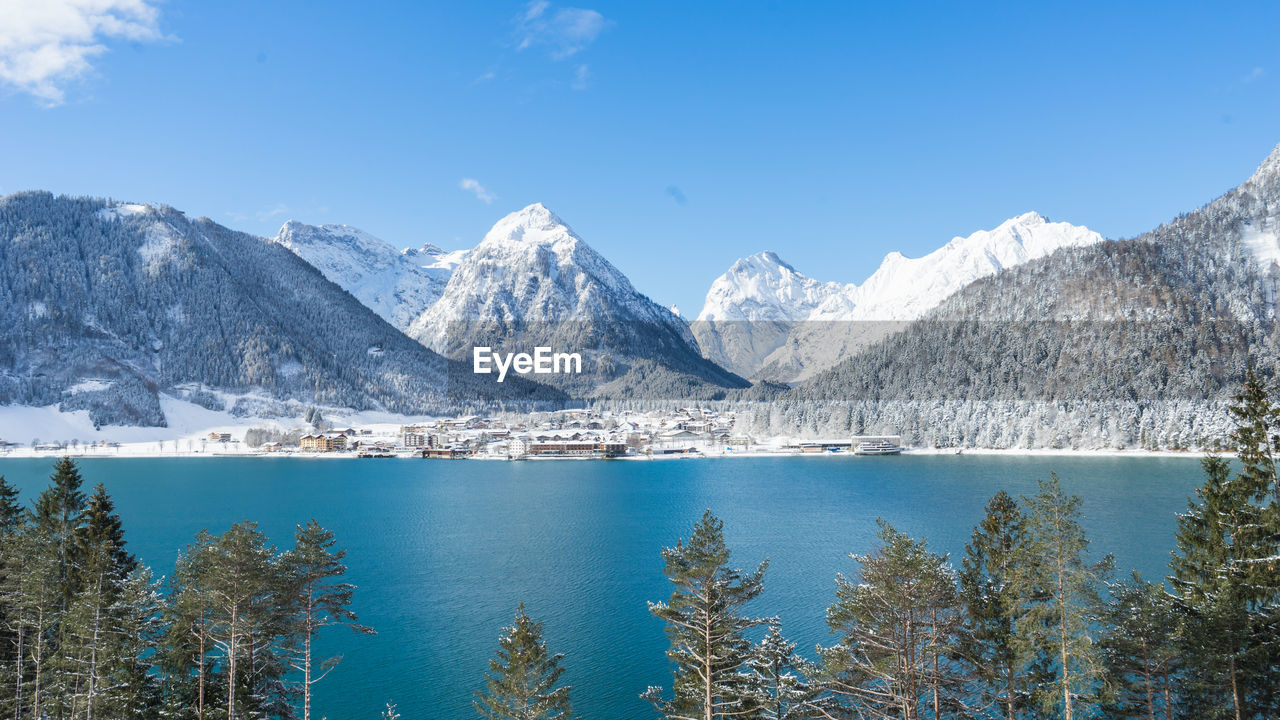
533	281
763	287
397	285
531	267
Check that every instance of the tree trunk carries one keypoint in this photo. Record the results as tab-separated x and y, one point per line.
1168	695
93	662
937	704
1235	686
231	667
310	629
706	664
1146	678
36	710
200	681
306	680
1008	693
17	690
1067	710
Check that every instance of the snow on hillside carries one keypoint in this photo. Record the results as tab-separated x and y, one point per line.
532	268
906	288
397	285
764	288
532	281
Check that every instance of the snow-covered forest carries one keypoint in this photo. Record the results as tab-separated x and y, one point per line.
1133	343
106	305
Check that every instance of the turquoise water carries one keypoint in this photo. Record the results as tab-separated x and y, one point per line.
443	551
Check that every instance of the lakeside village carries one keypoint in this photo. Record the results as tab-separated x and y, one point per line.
561	434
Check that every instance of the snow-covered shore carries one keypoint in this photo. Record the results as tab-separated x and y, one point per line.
46	432
167	449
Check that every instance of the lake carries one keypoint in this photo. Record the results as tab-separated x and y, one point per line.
443	551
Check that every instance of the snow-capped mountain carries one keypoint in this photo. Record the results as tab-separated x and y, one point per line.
110	307
397	285
763	318
1140	342
533	281
117	309
906	288
764	287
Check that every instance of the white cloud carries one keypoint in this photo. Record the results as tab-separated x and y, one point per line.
581	76
563	31
276	211
46	44
1254	74
475	188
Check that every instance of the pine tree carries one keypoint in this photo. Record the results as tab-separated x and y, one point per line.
34	596
243	579
186	643
59	513
12	564
1055	626
49	584
1256	532
1226	572
11	513
709	649
1215	616
992	605
319	600
91	631
522	677
896	629
136	693
1140	650
1257	436
776	677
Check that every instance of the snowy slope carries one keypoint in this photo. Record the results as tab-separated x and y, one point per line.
397	285
764	287
532	268
106	306
741	318
532	278
906	288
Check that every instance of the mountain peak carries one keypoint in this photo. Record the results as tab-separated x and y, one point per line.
765	260
536	215
427	249
397	285
531	225
1027	218
1269	170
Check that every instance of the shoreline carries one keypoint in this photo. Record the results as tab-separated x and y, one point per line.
127	452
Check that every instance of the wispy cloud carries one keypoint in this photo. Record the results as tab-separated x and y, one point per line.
474	187
561	31
581	77
676	194
47	44
1253	76
272	212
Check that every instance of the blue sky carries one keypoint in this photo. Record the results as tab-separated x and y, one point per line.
674	137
